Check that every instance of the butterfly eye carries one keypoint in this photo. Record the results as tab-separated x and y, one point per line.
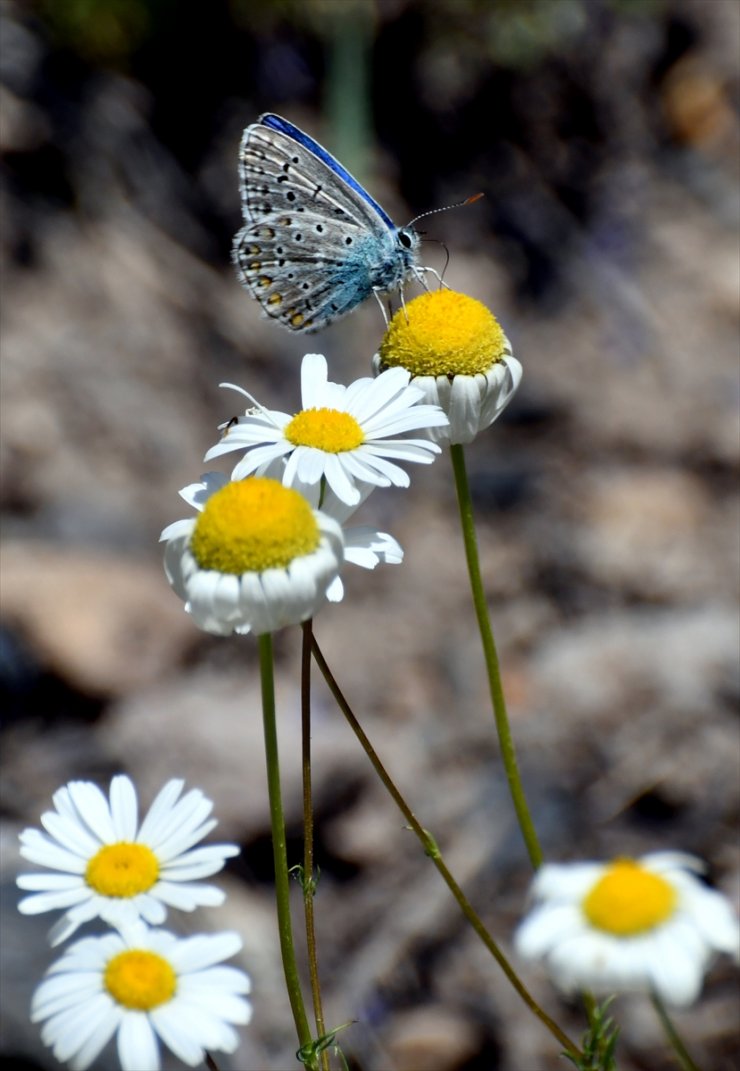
405	239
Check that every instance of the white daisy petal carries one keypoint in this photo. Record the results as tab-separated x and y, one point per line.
186	823
360	467
50	882
420	416
675	973
367	547
137	1043
90	802
42	850
84	1025
64	928
336	476
717	922
206	986
310	463
255	458
178	1033
386	469
160	811
68	832
206	860
124	808
101	1022
418	450
379	394
335	591
203	951
52	901
55	994
187	898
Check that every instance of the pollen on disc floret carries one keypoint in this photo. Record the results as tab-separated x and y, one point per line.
252	525
444	333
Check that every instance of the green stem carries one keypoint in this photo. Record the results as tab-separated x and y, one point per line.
506	742
677	1044
279	847
307	883
432	850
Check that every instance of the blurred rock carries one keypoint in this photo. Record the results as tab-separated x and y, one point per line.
105	625
645	531
207	727
431	1038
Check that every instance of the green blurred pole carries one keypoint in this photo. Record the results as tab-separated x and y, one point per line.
349	32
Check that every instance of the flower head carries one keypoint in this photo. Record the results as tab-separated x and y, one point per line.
363	545
343	435
458	356
630	925
106	865
143	986
256	558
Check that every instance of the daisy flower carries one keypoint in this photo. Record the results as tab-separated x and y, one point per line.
363	545
143	986
256	558
104	864
630	925
341	435
459	358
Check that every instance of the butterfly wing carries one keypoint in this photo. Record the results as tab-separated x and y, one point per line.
314	244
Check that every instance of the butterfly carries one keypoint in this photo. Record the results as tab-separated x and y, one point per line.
314	243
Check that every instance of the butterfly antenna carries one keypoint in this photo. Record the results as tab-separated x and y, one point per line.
459	204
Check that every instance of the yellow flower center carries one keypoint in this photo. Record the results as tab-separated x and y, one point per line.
629	900
443	333
122	869
251	525
326	429
140	979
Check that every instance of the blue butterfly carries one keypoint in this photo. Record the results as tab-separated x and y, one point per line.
314	243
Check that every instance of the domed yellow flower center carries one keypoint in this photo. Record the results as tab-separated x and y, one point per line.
629	900
252	525
140	979
443	333
122	869
329	430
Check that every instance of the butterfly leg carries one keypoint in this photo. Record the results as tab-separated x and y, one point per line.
376	295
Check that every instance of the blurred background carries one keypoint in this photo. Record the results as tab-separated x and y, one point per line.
604	135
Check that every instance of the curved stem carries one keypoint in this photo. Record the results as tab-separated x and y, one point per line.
506	742
279	846
432	850
682	1054
308	883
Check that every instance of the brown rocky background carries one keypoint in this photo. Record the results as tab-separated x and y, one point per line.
605	136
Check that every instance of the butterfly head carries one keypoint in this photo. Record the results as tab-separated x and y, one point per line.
408	241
